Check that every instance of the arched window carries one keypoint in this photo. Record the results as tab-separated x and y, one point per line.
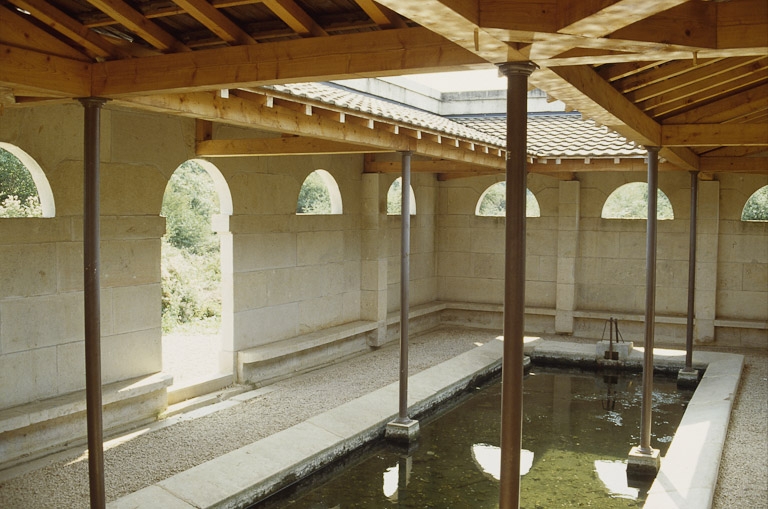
756	208
24	190
630	201
319	194
394	198
493	202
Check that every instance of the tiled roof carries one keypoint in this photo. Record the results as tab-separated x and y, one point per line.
396	112
564	135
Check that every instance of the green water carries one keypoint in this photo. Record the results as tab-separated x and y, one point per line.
578	429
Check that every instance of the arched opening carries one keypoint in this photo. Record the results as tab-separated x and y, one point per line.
493	202
196	273
630	201
756	208
394	198
319	195
24	189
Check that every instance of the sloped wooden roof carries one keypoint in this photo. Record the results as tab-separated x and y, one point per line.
690	76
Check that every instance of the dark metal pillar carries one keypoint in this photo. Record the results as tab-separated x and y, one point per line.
405	271
650	300
91	262
691	271
514	282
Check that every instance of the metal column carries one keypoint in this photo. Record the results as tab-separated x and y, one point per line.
405	272
404	429
91	262
650	300
691	271
514	282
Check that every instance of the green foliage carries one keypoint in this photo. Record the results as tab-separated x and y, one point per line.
18	193
395	198
494	202
630	201
756	208
188	205
314	197
191	269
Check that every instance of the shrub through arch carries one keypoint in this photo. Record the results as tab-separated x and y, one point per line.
630	201
24	189
395	198
756	208
493	202
319	195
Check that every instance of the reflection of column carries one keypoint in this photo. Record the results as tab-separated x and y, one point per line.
567	249
373	299
708	230
561	404
403	477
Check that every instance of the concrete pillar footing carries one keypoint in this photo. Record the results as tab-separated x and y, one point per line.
643	465
403	431
688	378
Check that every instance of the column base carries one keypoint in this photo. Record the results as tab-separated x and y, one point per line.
688	379
643	465
402	431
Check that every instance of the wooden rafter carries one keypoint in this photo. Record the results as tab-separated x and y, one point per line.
381	15
137	22
707	135
69	27
295	17
215	21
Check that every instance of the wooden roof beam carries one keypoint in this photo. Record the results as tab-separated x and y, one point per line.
294	145
215	21
44	75
583	21
382	53
708	135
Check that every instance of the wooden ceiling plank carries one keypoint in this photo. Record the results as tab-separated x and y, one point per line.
215	21
660	73
734	164
703	135
383	53
44	74
742	24
622	70
684	99
679	78
137	22
295	17
69	27
722	110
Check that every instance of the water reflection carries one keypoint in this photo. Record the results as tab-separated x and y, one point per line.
488	459
578	428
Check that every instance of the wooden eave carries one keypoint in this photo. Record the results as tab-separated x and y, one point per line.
690	76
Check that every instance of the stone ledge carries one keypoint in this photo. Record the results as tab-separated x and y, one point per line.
40	427
742	324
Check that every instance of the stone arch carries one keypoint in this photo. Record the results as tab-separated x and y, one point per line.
630	201
44	191
329	204
394	197
492	202
218	350
756	206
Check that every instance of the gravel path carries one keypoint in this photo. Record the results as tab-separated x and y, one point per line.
151	457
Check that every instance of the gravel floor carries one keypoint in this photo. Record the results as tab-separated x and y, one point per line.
149	458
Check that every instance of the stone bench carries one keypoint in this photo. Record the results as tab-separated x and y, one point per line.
273	361
34	429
